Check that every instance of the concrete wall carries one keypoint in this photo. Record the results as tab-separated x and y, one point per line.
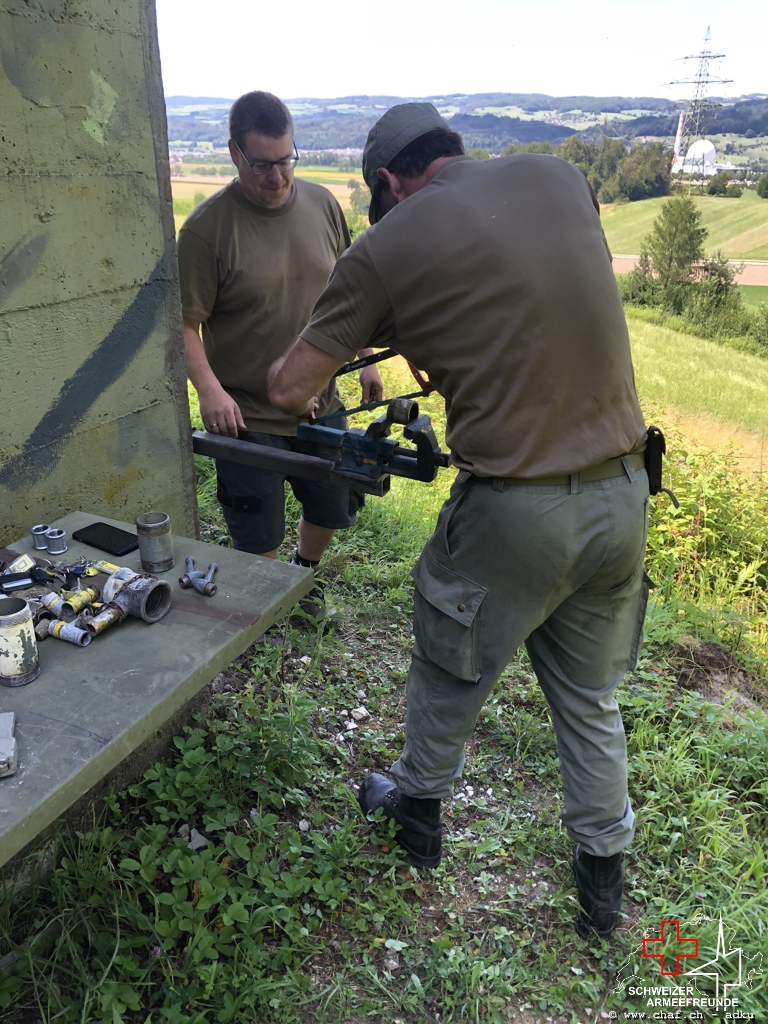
93	410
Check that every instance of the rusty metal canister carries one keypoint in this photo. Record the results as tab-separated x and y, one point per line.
19	660
155	541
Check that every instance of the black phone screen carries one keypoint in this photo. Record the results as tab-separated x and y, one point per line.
107	538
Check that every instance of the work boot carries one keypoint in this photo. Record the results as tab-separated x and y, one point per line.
600	883
421	835
313	603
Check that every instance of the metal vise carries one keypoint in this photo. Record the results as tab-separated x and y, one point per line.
366	458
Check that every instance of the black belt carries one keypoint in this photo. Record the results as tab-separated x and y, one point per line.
603	471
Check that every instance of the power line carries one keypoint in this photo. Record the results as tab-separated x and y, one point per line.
696	110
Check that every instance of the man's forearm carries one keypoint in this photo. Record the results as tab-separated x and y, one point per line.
297	378
198	368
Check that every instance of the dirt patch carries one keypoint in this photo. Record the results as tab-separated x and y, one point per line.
715	674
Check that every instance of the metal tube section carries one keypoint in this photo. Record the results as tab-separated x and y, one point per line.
308	467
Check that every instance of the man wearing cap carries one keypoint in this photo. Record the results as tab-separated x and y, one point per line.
253	259
494	277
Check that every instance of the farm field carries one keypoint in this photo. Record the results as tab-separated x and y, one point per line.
335	181
737	226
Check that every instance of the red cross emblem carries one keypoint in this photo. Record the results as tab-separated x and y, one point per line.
679	950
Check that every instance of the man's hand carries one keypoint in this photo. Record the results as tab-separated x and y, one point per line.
371	384
220	412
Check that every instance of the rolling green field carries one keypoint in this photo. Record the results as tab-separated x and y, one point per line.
699	377
753	294
737	226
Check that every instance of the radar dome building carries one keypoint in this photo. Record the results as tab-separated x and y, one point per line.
700	159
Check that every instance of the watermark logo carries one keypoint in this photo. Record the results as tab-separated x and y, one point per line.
677	988
659	949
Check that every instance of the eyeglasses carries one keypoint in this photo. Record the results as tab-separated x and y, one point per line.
263	167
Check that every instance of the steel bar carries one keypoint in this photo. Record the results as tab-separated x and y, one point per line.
308	467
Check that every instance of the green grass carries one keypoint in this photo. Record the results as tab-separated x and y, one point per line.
754	295
299	911
680	371
737	226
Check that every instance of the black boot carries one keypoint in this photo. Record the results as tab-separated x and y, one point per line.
600	883
421	835
313	603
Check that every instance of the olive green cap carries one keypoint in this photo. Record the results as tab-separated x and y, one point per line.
391	133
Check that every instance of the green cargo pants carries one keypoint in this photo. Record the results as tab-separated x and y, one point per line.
559	568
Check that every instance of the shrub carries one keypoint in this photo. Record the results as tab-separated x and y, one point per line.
762	187
479	154
675	242
718	184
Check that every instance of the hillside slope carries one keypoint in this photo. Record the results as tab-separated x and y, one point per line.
737	226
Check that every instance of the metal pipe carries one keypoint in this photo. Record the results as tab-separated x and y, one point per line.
205	585
54	603
56	541
76	600
155	541
68	631
110	615
143	596
38	536
308	467
185	581
19	659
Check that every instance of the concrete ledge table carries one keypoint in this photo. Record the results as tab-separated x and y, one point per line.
91	707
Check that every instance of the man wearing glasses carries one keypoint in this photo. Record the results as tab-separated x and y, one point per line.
253	258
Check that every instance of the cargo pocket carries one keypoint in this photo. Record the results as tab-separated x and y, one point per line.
448	617
646	587
237	504
356	502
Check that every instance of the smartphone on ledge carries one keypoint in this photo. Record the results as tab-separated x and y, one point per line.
107	538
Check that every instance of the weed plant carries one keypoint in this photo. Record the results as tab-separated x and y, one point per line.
297	910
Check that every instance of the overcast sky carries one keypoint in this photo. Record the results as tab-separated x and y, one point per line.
427	47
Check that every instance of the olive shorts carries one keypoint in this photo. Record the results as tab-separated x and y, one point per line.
253	500
559	569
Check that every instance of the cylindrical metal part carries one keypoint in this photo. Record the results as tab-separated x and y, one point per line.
54	603
110	615
185	581
41	629
56	541
19	661
76	600
68	631
155	541
204	585
38	536
143	596
402	410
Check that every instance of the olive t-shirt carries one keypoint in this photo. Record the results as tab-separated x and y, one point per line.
251	276
497	281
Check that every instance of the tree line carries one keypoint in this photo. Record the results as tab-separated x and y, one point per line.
615	173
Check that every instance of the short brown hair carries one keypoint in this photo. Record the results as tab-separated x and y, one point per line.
415	158
259	112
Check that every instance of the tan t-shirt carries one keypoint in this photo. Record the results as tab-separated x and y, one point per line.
251	276
496	280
